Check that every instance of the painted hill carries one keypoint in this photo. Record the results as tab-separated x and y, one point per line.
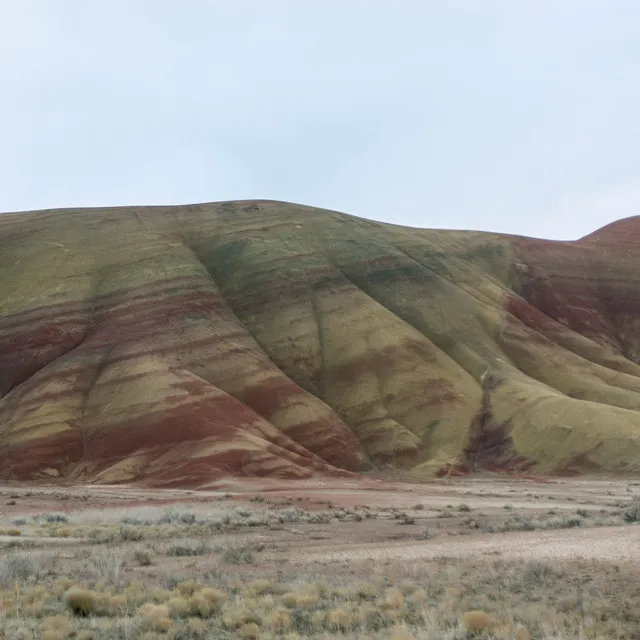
177	345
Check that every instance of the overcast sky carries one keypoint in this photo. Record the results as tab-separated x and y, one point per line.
518	116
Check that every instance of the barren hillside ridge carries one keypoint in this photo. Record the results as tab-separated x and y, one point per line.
175	346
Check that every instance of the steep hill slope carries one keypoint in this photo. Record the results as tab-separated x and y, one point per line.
176	345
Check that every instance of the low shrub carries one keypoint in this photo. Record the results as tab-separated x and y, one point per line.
632	513
187	550
238	555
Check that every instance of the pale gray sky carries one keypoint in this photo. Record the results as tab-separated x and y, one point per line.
518	116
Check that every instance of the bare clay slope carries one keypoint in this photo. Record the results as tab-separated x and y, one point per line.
177	345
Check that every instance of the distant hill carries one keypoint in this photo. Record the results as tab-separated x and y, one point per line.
177	345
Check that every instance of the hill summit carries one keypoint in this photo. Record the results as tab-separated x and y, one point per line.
178	345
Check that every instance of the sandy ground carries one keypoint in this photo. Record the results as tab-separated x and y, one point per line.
485	499
613	544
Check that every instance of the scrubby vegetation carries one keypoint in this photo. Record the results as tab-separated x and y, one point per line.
222	569
443	599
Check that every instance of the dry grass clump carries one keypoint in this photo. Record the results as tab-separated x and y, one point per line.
196	628
135	594
476	621
194	600
131	533
33	601
61	586
240	614
392	600
263	587
187	587
249	630
295	600
57	531
365	591
156	617
143	557
179	606
278	620
339	620
238	555
82	602
56	628
207	602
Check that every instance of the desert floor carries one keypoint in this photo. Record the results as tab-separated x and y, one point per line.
487	556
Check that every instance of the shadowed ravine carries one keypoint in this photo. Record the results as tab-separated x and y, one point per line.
178	345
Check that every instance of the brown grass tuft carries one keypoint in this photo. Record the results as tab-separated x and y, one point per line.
250	630
299	600
116	604
262	587
339	620
62	585
81	602
56	628
278	620
206	602
476	620
196	627
156	617
240	615
393	600
142	557
179	606
188	587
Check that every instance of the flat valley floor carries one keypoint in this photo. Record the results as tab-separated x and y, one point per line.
481	557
